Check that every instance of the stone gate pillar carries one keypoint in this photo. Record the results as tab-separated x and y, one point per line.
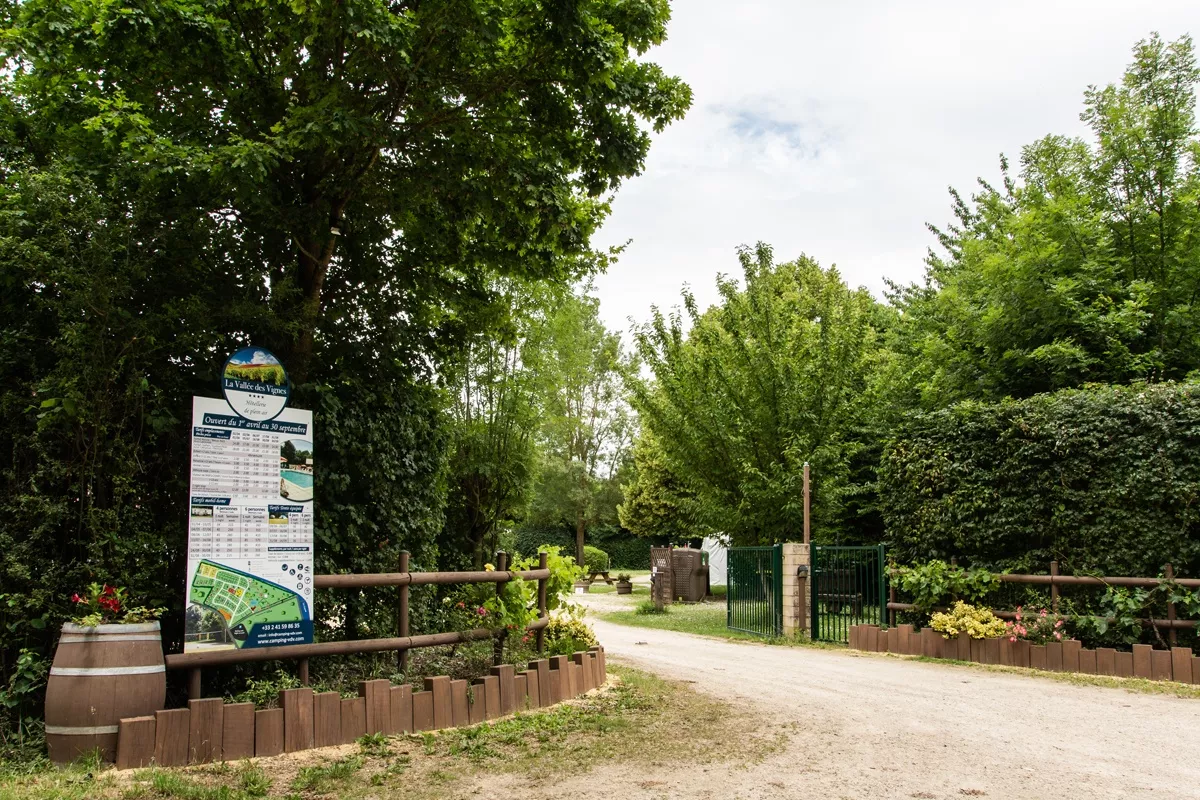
797	616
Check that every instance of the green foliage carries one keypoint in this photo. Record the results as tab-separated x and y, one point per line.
349	185
264	692
494	412
586	424
734	401
321	778
564	572
1081	269
936	582
625	551
508	606
1118	617
20	704
649	607
568	633
978	623
1105	479
594	560
657	502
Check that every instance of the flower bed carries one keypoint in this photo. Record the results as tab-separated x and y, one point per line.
1177	664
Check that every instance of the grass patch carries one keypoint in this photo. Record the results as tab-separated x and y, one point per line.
321	778
702	619
625	724
650	607
604	588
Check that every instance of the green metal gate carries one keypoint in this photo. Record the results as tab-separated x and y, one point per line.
849	587
754	590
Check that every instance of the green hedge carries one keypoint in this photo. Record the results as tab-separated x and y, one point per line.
594	559
1103	479
625	551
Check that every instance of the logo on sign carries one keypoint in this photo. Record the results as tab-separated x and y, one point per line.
255	384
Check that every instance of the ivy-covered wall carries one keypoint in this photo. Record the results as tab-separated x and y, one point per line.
1102	479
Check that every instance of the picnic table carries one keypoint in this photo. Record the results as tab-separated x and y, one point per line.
604	574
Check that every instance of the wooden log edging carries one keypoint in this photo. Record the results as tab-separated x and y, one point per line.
1177	664
210	730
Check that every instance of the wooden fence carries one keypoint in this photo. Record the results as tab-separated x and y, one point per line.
401	643
1175	664
1054	580
211	730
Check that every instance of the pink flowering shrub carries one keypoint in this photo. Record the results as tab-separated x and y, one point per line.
1036	628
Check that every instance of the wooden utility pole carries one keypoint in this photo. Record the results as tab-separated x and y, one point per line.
807	504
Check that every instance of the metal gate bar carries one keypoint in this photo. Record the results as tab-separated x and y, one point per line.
849	587
754	590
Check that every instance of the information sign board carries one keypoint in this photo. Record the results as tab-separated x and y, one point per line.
250	533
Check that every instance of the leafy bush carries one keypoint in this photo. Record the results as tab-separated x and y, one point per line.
568	633
930	584
563	574
264	693
1118	617
594	560
1105	479
978	623
625	550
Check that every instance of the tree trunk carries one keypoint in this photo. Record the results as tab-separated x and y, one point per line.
579	539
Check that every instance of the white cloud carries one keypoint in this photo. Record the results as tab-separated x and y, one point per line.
834	129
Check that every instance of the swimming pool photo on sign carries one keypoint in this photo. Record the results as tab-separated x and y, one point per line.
296	470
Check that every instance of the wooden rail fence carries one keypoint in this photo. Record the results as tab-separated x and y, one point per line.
1054	580
401	643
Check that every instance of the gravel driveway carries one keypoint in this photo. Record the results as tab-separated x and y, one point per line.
865	726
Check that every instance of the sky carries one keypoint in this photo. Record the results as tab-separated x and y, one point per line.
834	129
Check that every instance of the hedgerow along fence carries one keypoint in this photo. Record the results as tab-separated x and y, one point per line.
68	714
1052	596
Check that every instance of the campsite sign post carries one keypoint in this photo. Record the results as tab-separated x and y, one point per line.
250	531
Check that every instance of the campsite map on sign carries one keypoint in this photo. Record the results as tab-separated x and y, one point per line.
247	600
250	529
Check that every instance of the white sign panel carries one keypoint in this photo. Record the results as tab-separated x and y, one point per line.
250	535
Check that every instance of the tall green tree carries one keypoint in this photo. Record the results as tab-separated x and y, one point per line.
655	500
1083	267
587	425
345	182
494	413
774	376
368	153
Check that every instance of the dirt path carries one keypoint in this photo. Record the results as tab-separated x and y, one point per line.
865	726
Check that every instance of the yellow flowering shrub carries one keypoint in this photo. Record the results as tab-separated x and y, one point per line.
978	623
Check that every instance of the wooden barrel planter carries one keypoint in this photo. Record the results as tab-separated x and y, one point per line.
99	676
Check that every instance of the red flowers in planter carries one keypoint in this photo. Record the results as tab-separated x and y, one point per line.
104	604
